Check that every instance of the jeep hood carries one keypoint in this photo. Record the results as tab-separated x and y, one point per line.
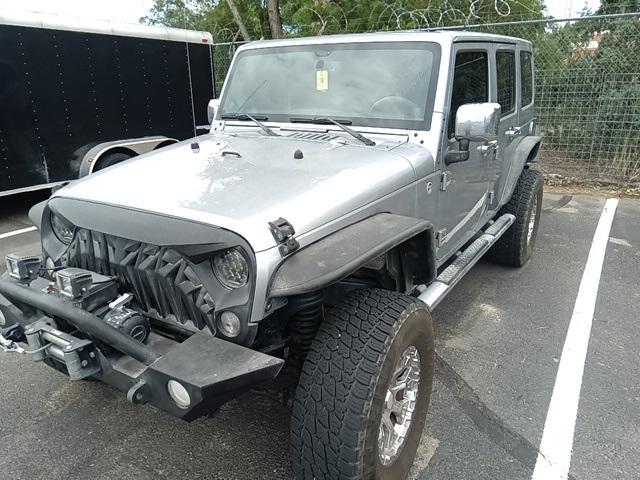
242	182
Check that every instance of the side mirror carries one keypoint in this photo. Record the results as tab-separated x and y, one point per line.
475	122
212	109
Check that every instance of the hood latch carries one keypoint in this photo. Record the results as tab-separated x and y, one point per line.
283	233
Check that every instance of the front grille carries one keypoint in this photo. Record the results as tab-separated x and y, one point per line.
162	280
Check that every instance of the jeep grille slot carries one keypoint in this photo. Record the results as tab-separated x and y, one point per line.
162	280
320	136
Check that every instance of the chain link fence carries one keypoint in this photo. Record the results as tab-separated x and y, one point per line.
587	94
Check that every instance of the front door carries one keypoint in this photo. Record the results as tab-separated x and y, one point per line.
464	199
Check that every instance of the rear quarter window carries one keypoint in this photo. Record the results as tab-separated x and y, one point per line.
526	69
506	75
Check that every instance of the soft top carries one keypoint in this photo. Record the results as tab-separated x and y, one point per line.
437	36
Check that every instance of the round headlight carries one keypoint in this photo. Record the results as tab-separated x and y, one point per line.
3	320
178	394
231	268
62	229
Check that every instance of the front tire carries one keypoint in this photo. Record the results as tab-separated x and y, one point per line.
368	374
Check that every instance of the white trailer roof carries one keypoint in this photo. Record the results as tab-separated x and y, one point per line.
75	24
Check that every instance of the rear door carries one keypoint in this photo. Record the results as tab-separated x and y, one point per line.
464	199
506	93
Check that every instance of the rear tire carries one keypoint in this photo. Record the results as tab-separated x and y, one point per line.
373	343
515	246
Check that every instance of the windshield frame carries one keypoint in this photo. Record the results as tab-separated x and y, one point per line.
396	124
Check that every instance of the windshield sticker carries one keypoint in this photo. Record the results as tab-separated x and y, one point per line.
322	80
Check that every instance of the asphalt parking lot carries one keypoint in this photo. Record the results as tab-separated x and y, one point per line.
499	338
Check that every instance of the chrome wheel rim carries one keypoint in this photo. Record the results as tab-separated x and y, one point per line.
532	219
399	405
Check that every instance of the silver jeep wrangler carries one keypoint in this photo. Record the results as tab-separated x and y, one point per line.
347	184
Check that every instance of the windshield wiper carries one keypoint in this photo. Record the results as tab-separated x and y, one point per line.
340	123
256	120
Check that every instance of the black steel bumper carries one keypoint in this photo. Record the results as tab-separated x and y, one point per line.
212	370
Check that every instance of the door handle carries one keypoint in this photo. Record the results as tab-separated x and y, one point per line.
488	147
513	132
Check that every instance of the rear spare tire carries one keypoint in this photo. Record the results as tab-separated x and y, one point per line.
364	392
515	247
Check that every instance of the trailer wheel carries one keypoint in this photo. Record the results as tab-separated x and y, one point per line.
110	159
515	247
364	391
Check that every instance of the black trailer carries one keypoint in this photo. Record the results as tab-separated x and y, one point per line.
76	98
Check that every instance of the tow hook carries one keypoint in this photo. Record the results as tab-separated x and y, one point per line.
10	346
10	338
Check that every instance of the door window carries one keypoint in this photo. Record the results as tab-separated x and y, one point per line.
506	75
526	69
470	82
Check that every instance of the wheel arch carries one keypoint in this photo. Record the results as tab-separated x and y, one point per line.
526	153
529	149
132	147
344	252
165	143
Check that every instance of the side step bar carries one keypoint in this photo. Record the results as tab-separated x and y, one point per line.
450	276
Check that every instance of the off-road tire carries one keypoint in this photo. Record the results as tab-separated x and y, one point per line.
111	159
515	247
338	404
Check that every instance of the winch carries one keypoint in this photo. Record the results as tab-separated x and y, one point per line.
128	321
89	291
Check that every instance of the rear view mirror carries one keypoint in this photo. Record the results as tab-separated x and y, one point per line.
477	122
212	109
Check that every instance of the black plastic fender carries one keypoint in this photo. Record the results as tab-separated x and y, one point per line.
526	152
343	252
528	149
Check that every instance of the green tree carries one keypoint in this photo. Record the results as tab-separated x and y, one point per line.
317	17
211	15
618	6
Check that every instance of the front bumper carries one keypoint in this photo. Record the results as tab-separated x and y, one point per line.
211	370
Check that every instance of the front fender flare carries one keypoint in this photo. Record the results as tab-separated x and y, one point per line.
343	252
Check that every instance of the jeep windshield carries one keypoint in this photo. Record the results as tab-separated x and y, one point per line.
388	84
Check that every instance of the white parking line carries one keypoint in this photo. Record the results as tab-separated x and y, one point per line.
554	457
17	232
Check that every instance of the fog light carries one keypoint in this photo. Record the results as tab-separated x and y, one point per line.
73	282
229	324
23	267
179	394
